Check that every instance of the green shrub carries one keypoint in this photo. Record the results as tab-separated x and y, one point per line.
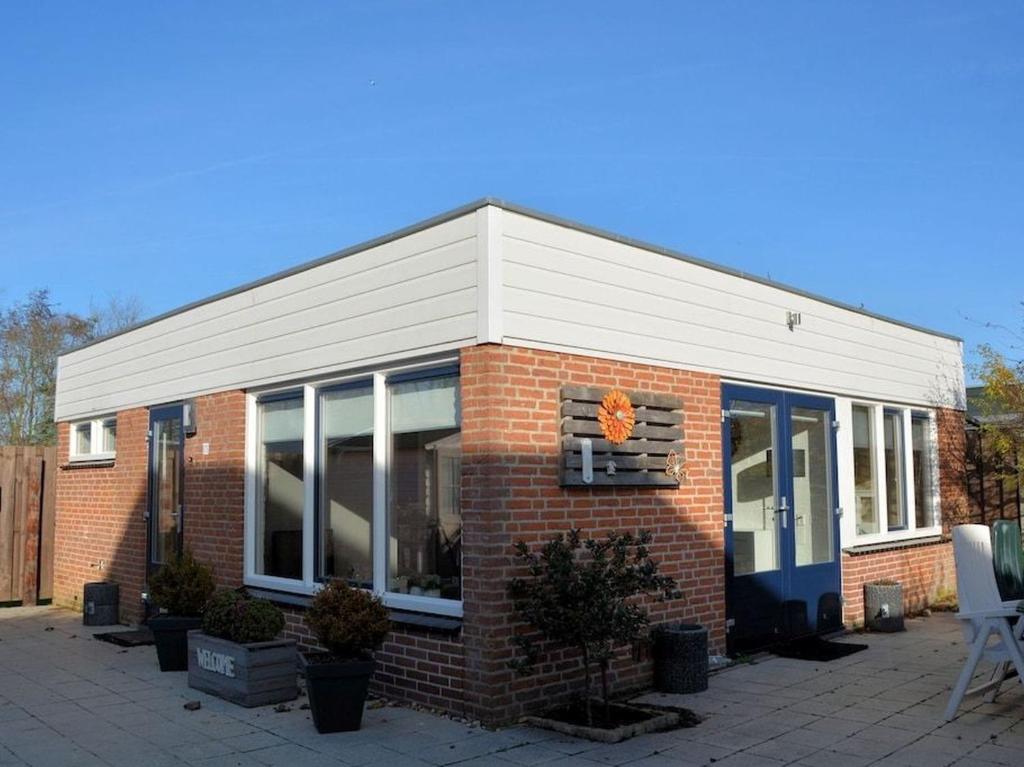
348	622
238	617
182	586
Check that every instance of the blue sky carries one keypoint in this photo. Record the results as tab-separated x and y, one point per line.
872	152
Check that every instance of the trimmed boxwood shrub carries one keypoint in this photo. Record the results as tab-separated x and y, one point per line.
239	618
348	622
182	586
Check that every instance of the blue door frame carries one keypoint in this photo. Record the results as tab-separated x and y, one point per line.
775	605
172	416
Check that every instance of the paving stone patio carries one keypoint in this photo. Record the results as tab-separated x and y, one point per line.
68	700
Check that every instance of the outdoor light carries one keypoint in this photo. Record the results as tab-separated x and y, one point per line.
188	418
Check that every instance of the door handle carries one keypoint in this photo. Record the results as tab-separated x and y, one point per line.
783	509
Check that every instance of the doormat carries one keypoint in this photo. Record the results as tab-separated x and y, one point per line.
132	638
817	649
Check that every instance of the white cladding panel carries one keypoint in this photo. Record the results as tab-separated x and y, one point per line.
575	291
413	295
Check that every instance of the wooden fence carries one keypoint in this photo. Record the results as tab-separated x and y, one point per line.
27	503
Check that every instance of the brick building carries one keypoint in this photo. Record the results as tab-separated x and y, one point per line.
400	413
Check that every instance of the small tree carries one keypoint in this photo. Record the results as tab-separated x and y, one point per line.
1003	410
580	595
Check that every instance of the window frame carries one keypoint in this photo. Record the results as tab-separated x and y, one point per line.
96	452
312	438
934	493
905	464
900	460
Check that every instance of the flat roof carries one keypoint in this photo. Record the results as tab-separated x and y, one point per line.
462	210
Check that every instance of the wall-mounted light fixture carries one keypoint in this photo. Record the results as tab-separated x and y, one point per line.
792	319
188	417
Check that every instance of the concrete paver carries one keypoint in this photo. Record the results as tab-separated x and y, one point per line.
66	699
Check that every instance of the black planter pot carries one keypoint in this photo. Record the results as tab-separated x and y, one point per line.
337	692
681	658
170	635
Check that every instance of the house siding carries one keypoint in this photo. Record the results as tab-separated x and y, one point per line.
575	291
413	295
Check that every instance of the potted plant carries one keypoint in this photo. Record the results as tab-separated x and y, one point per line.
237	655
416	586
883	605
349	624
581	595
180	588
432	586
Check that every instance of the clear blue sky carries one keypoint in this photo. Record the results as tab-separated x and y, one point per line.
872	152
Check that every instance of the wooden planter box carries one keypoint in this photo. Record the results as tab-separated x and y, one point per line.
247	674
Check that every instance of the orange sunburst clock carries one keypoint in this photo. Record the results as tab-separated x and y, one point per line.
616	416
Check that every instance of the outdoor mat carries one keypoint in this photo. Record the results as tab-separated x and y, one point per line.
130	638
817	649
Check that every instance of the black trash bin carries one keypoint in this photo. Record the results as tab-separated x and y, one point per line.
681	658
100	604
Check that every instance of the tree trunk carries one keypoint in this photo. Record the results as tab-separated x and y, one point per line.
586	687
604	689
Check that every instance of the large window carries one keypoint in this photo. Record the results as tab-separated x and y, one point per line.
904	501
424	516
378	502
923	451
281	498
864	470
346	484
895	496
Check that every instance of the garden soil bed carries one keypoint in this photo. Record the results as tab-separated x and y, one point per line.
624	721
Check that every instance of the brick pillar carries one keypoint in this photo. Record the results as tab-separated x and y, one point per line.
511	455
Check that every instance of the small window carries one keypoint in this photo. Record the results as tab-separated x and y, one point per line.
94	440
109	435
83	438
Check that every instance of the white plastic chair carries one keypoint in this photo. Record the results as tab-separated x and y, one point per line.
983	614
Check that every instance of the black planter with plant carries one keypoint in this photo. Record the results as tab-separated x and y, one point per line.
349	623
238	656
180	589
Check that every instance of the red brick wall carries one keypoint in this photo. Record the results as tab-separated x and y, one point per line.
510	443
927	570
417	665
510	492
215	486
923	570
100	533
100	529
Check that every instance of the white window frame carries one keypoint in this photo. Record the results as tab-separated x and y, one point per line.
96	452
851	538
309	584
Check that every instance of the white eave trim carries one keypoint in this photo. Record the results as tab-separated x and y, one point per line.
489	308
